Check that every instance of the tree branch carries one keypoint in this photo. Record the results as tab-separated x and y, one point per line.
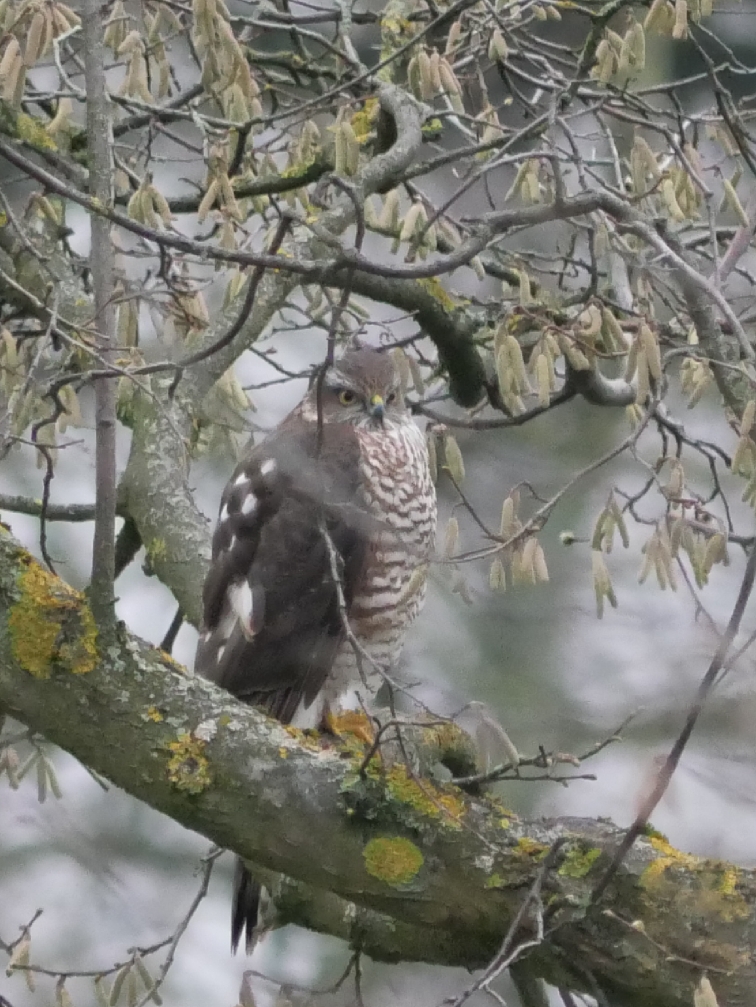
449	868
102	264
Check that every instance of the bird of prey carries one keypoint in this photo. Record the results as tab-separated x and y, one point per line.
325	532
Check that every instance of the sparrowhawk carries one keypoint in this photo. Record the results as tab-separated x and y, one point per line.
325	532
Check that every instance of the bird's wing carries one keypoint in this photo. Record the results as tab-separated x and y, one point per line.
272	621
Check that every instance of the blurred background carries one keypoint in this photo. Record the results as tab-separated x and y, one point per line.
111	874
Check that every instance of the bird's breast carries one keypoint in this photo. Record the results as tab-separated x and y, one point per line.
399	494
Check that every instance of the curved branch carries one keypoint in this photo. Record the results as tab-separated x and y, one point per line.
450	869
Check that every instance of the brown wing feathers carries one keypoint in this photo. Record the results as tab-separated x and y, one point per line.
272	623
271	617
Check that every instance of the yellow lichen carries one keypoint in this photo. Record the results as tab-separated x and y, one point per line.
712	888
445	804
188	767
729	880
157	549
364	120
308	739
670	857
43	625
154	714
435	288
33	132
392	859
283	752
301	168
531	848
446	735
432	127
175	665
350	724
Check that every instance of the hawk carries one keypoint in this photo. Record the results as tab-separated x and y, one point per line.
325	532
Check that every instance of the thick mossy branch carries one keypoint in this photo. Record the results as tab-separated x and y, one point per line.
449	869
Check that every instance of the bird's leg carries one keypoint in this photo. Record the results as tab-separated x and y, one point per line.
354	722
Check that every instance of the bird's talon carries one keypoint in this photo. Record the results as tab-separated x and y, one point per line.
353	722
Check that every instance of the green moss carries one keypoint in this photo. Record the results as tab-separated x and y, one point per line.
711	887
51	625
376	792
32	130
445	804
392	859
188	766
531	848
431	128
363	121
435	288
301	168
157	549
728	881
578	862
651	833
494	881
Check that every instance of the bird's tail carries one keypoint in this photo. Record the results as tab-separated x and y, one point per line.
244	907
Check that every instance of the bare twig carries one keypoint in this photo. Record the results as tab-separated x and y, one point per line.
529	913
99	141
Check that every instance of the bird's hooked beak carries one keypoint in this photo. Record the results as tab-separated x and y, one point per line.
377	407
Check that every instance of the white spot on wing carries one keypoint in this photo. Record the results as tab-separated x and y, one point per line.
224	513
240	598
227	624
241	479
268	467
219	655
250	504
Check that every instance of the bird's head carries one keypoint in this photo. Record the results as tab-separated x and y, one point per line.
362	388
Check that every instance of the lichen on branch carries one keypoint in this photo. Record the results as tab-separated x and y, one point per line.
450	878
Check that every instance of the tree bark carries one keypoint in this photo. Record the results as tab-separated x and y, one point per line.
402	867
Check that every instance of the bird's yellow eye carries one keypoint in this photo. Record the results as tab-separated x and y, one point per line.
346	397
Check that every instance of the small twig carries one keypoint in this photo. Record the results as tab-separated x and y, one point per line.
507	955
383	728
102	264
668	955
53	512
544	760
258	272
207	870
47	479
